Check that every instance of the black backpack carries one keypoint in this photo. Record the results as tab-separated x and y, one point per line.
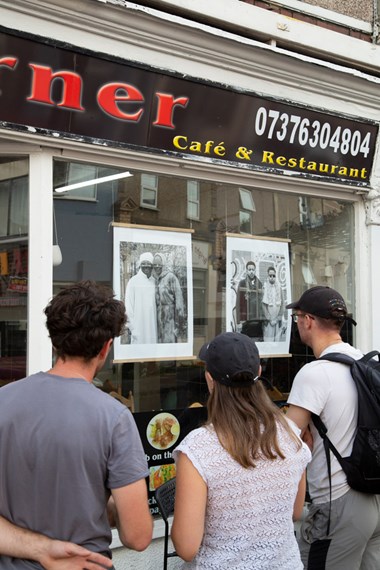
362	467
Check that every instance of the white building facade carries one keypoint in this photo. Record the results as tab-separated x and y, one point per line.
236	123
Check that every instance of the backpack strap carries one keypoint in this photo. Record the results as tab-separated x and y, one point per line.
320	426
328	446
339	357
345	359
322	429
371	355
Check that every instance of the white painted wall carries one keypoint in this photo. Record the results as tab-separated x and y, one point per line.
354	14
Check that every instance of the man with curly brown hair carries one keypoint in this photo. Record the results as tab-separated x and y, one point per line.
68	450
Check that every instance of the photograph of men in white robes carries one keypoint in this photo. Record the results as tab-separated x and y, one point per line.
140	303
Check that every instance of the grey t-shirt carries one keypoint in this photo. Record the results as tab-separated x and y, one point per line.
63	445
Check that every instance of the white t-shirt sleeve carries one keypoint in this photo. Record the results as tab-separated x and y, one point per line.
193	447
311	388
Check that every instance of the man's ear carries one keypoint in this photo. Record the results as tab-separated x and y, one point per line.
310	321
106	348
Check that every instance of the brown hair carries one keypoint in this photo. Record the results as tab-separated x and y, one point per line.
82	317
330	324
246	422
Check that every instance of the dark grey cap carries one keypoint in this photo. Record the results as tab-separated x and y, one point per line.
229	354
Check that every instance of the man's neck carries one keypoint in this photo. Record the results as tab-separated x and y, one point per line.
321	344
74	368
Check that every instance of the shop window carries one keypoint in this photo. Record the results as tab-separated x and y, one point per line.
149	190
193	200
200	298
308	274
14	188
81	181
308	217
13	199
247	207
318	253
69	173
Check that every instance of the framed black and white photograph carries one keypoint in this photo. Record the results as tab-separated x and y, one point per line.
257	291
152	274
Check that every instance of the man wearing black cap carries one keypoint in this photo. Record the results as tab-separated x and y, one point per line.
328	390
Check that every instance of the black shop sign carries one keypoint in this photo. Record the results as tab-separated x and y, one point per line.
61	91
160	433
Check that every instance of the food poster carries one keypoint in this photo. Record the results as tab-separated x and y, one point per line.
160	433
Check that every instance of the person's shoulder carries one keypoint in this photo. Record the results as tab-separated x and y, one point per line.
313	365
135	277
322	368
343	348
172	275
202	431
196	436
28	383
15	385
37	376
310	369
108	402
200	442
132	281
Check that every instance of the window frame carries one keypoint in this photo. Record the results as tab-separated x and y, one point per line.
247	207
191	186
151	188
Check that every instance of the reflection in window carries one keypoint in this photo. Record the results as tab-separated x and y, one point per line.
14	198
149	184
247	207
308	217
199	299
320	252
14	187
193	200
66	173
245	220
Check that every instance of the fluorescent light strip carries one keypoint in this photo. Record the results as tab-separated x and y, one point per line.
94	181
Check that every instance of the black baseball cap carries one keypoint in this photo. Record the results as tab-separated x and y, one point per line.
322	302
231	353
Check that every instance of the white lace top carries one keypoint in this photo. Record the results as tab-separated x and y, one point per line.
248	522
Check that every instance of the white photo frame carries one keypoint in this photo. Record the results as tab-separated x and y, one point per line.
166	299
255	305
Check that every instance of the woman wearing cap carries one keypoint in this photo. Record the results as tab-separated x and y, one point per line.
241	477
